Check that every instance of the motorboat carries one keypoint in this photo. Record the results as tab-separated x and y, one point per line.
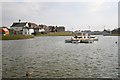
83	38
87	40
94	38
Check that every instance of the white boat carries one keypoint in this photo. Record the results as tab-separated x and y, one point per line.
94	38
83	38
68	41
76	41
87	41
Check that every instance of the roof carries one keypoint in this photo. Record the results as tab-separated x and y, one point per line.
4	29
17	24
61	27
22	24
33	25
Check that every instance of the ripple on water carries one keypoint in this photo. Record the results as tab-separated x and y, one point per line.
46	59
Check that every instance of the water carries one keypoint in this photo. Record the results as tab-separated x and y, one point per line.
51	57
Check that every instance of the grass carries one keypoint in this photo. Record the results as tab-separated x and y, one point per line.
16	37
55	34
115	34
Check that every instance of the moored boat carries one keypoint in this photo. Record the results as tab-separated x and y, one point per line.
87	41
83	38
68	41
94	38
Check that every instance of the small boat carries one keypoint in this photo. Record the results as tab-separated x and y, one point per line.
94	38
76	41
83	38
87	41
72	40
68	41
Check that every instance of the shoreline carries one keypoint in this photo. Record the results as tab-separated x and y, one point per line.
115	35
16	37
21	37
56	34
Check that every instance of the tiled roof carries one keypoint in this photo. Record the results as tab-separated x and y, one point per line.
17	24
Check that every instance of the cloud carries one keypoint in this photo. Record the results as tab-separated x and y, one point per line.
25	11
0	14
58	0
74	14
97	5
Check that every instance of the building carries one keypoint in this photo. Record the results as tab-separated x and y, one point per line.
52	28
25	28
77	32
60	29
28	28
87	31
55	29
116	31
96	33
106	32
42	28
4	31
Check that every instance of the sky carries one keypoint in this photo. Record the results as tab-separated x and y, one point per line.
73	14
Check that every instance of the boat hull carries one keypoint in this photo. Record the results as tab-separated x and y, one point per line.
86	41
68	41
82	39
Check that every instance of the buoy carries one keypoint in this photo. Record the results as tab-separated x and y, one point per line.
116	42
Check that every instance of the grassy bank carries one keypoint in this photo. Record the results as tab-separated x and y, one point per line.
115	34
16	37
55	34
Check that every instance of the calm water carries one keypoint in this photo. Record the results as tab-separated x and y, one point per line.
51	57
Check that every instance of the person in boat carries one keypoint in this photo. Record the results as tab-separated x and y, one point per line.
75	36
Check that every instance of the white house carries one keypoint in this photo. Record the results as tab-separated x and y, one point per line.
41	30
27	31
25	28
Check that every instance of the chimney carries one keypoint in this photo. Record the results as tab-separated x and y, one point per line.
19	20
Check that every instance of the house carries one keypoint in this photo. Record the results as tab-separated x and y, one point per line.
4	31
42	28
96	33
60	29
77	32
106	32
52	28
28	28
87	31
116	31
55	29
25	28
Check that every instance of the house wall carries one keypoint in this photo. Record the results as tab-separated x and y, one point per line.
25	31
60	29
47	29
41	30
16	28
31	31
28	31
